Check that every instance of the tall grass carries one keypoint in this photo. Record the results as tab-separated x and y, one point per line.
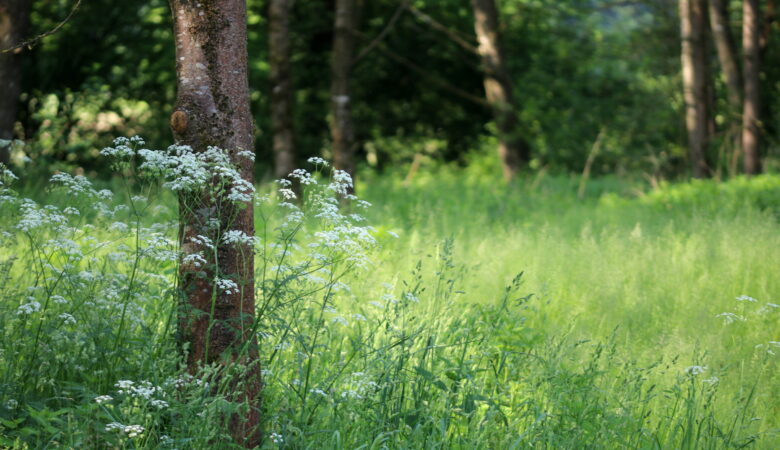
501	317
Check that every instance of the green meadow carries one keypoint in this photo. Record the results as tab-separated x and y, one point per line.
501	316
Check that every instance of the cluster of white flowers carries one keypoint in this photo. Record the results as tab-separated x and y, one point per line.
195	259
358	385
103	399
341	182
695	370
28	308
317	161
188	171
746	298
183	381
67	319
130	430
276	438
202	240
729	317
238	237
250	155
33	217
123	148
227	286
142	390
303	176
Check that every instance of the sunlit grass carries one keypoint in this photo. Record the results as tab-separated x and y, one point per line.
612	337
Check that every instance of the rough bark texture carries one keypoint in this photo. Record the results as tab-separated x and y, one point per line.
341	128
212	109
694	71
513	149
14	23
281	87
751	119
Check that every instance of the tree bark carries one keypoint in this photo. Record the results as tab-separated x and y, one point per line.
694	71
727	56
341	128
282	99
14	25
513	149
212	109
751	119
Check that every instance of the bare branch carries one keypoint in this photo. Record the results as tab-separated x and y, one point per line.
436	25
384	32
32	41
424	74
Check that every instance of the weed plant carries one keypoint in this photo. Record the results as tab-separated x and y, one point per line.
499	317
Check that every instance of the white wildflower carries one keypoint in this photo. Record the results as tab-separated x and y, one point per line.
276	438
195	259
133	430
729	318
28	308
695	370
317	161
103	399
227	286
67	319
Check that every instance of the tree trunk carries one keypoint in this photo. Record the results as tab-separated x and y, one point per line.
212	109
341	129
14	23
694	71
751	119
513	149
727	56
281	87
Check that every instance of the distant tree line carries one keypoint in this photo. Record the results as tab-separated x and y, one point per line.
379	83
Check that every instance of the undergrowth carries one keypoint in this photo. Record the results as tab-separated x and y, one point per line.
434	339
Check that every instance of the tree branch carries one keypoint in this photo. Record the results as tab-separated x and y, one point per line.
32	41
436	25
384	32
423	73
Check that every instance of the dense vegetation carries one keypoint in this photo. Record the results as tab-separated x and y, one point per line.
593	297
500	317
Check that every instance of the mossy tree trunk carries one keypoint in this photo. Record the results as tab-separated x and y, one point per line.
14	23
212	109
341	127
281	87
513	150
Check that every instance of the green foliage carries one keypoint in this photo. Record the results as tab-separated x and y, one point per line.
579	67
639	321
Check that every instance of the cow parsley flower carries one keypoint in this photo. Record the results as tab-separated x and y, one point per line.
28	308
317	161
227	286
695	370
103	399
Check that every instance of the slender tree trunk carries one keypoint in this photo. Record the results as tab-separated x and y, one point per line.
212	109
281	87
341	128
14	23
513	149
751	119
727	56
694	71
